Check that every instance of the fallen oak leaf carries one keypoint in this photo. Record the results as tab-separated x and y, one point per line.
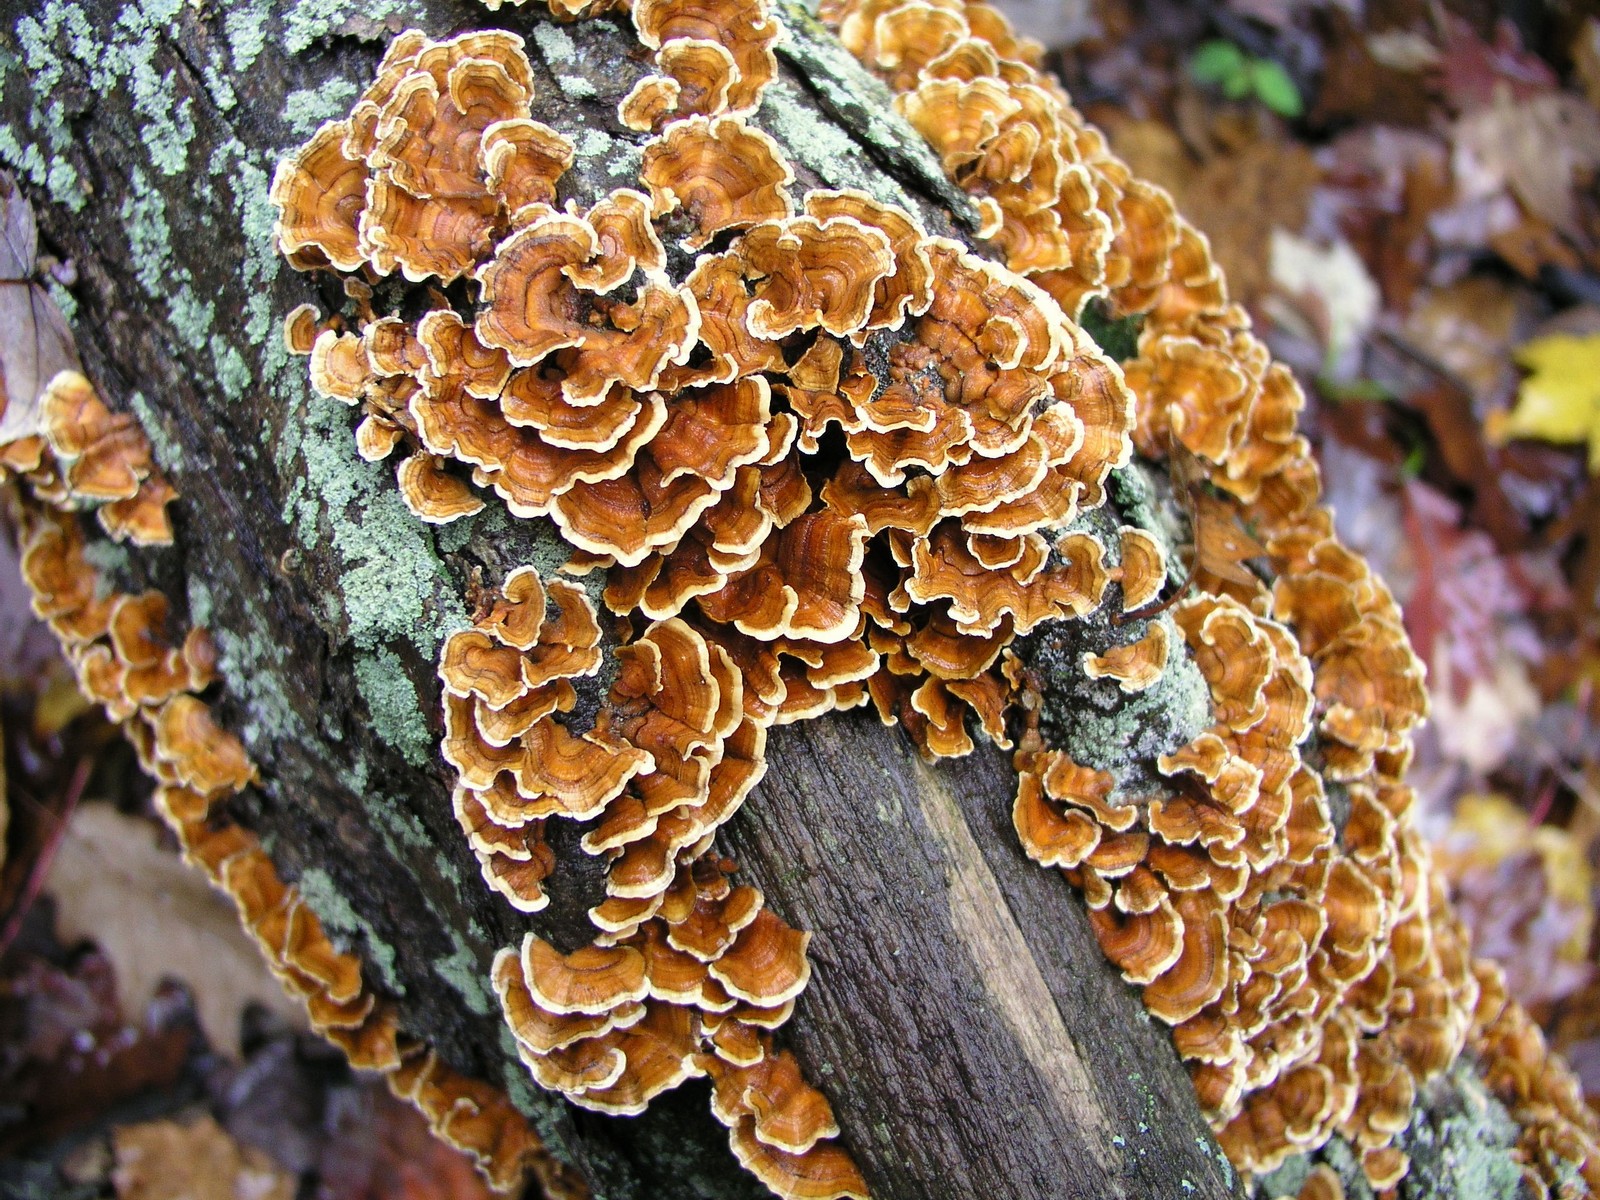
35	341
1472	70
1536	147
157	918
165	1160
1221	544
1559	401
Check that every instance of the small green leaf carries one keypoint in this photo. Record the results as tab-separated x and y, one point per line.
1217	62
1274	88
1415	461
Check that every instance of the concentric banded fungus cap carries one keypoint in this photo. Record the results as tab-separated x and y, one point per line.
825	1172
721	173
767	963
590	980
320	193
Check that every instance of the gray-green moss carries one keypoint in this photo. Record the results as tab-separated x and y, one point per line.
393	704
345	926
461	970
1118	338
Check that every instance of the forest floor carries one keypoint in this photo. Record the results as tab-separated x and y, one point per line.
1402	194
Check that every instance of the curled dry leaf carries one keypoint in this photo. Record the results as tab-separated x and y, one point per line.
35	342
166	1160
157	919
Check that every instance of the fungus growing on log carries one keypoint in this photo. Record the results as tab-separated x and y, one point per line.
678	425
150	676
802	451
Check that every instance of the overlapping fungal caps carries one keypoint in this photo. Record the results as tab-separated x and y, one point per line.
1559	1129
1056	204
85	457
1312	968
812	456
132	657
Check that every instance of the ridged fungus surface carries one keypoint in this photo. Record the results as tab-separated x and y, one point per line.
1312	970
151	675
811	456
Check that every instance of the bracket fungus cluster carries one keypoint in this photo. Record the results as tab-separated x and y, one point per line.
1311	968
132	656
811	456
807	457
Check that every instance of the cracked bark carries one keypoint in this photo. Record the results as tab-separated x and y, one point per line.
961	1018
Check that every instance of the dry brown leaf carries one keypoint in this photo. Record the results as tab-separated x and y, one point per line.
35	342
1252	186
1221	544
164	1160
1586	59
1466	328
1330	289
157	918
1536	147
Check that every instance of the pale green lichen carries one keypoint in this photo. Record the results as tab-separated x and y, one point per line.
1461	1140
400	829
393	705
823	147
306	109
555	43
559	50
244	23
393	585
462	972
168	125
62	298
346	927
109	559
308	21
28	161
47	118
1113	731
218	85
201	602
61	33
254	663
863	102
595	143
144	224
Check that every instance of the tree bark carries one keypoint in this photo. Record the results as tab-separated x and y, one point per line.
961	1018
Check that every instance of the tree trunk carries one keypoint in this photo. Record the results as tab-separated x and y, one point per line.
961	1019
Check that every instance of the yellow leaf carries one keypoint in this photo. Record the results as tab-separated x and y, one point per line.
1559	401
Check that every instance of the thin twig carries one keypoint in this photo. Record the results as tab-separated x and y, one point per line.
47	853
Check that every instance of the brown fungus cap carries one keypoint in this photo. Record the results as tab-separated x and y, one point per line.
744	32
722	174
590	980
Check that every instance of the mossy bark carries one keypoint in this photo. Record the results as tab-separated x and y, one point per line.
961	1018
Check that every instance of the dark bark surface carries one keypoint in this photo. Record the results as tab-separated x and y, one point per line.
970	1035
